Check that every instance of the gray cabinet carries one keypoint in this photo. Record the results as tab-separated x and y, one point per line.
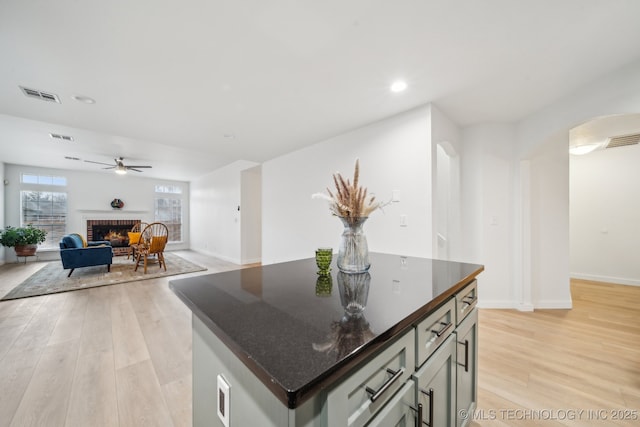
446	379
436	386
467	366
429	370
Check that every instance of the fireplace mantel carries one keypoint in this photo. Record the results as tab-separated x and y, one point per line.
112	211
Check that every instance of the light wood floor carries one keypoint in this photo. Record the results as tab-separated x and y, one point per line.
121	356
562	361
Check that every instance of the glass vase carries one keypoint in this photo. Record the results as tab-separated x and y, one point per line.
353	254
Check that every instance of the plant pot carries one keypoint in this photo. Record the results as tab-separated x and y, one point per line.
25	250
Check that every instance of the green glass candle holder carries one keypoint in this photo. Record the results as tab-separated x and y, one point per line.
323	260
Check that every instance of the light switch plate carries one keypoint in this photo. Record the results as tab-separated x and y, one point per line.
223	400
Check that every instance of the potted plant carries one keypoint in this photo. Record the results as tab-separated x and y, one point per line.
24	240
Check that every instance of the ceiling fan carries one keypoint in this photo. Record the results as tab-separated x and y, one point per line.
120	167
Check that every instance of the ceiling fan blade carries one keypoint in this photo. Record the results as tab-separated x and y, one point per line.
129	168
110	167
137	166
98	163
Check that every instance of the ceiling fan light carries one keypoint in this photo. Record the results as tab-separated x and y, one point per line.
121	170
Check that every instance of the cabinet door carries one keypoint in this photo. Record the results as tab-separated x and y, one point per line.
467	366
400	411
435	383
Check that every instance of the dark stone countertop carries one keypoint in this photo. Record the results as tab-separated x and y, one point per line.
299	332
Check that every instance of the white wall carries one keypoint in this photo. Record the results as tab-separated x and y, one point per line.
215	218
89	196
487	209
395	154
549	229
446	186
251	214
527	264
605	212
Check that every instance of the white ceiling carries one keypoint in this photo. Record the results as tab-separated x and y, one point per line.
172	78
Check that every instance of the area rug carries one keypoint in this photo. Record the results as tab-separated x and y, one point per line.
52	278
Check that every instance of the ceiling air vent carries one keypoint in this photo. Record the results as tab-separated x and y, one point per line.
61	137
623	140
44	96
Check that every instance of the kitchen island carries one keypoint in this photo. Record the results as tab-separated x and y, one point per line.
280	345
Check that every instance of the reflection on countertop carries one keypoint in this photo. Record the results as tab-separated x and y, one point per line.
352	330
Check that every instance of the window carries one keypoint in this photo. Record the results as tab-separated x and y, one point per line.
170	189
46	210
168	209
43	179
43	207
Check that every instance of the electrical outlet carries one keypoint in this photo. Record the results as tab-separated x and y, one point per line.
395	286
223	400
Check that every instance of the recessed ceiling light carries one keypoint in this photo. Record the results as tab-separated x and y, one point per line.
398	86
84	99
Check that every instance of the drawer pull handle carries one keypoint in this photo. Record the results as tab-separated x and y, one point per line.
419	421
469	300
395	375
466	355
445	328
429	394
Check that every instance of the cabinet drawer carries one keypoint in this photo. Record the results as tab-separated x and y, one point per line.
400	411
356	400
432	331
466	300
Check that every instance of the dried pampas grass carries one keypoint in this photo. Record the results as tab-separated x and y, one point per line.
349	200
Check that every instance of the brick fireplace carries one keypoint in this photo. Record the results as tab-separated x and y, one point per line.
112	230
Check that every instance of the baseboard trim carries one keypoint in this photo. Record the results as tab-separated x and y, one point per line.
215	255
525	307
505	304
607	279
553	304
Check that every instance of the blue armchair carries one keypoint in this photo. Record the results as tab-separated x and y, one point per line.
75	253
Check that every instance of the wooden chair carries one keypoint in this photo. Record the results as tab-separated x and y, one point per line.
152	242
134	238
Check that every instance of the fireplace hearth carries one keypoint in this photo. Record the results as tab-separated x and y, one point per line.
113	231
